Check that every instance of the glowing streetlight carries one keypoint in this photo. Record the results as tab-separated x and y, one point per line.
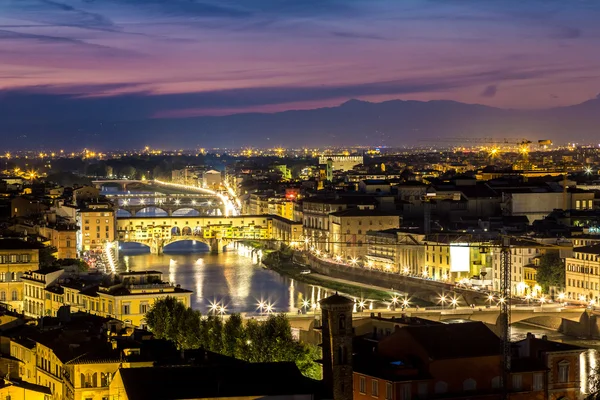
338	258
588	171
269	308
490	298
405	270
405	303
424	273
221	310
317	252
142	201
542	301
442	300
353	261
561	297
501	300
261	305
214	307
527	297
454	302
395	300
177	202
581	298
361	305
193	202
305	304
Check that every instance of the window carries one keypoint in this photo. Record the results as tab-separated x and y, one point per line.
538	381
143	308
388	391
362	385
469	384
563	371
125	308
406	395
3	296
441	387
496	381
517	382
375	388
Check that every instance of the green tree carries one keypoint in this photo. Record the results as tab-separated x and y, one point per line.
164	318
47	256
254	341
551	271
233	335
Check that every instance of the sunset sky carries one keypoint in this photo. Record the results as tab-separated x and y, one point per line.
174	58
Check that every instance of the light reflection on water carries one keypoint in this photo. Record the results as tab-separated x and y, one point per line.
226	278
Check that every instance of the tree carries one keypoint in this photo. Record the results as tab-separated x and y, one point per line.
551	271
268	341
47	256
164	320
233	335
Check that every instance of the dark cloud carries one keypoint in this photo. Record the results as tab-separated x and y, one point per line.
566	32
357	35
489	91
74	103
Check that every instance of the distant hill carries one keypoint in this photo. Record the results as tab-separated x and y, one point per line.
355	122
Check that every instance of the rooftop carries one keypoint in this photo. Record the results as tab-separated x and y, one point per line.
216	381
17	244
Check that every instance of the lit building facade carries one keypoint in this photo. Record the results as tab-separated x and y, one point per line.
97	226
582	274
16	258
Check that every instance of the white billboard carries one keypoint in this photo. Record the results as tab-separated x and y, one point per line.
460	257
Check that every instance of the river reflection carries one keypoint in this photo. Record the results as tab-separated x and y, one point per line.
227	278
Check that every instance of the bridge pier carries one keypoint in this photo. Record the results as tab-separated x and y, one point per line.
156	247
216	245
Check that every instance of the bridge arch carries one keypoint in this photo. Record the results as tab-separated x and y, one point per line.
202	243
186	231
186	212
121	213
175	231
151	211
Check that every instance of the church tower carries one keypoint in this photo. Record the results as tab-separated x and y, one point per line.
337	345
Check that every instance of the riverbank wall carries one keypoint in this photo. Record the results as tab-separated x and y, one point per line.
427	290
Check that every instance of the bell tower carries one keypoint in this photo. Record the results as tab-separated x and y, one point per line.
337	345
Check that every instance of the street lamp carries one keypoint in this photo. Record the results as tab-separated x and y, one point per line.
490	298
454	302
214	307
542	301
561	297
395	301
581	297
442	300
405	270
338	258
527	297
353	261
405	303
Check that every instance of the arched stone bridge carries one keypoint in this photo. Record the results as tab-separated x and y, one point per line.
549	316
217	232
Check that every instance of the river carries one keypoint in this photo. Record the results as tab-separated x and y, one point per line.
228	278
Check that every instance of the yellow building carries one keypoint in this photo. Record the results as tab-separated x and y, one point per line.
127	298
63	237
348	230
78	361
286	231
16	258
582	274
97	226
18	390
38	297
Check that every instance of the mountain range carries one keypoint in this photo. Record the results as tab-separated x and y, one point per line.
355	122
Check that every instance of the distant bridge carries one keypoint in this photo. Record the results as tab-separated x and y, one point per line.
217	232
169	205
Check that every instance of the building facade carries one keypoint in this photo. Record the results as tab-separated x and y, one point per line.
16	258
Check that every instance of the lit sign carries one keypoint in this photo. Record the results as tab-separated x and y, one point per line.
460	257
